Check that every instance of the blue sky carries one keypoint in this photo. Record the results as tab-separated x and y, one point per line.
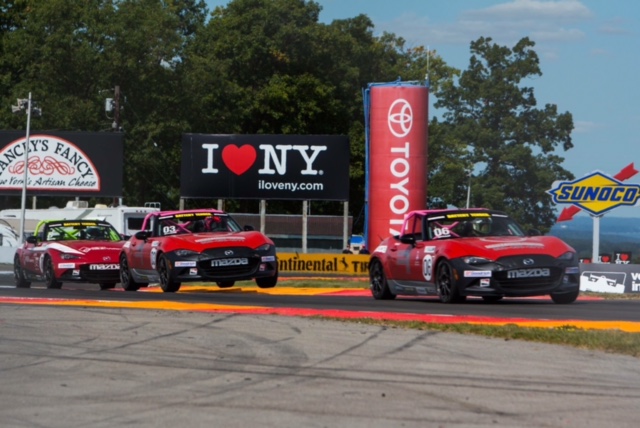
589	55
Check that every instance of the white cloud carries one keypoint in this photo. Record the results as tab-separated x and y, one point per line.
519	10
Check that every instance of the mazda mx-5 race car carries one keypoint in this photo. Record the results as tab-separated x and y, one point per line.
69	251
472	252
196	245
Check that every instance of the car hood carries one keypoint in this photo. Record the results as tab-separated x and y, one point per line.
499	246
202	241
86	248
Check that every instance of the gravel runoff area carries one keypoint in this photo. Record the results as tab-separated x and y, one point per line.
78	367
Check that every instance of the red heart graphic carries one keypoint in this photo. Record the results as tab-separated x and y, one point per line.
239	159
624	257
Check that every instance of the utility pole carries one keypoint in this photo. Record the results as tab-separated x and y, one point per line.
116	113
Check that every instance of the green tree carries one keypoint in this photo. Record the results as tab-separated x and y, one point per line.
510	143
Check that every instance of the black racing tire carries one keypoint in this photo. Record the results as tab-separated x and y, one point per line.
18	273
378	282
107	285
565	298
492	299
126	279
226	284
445	284
168	284
267	282
50	275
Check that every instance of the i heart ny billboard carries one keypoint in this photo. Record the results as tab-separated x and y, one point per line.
277	167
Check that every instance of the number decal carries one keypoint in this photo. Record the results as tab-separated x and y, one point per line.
169	230
427	266
441	232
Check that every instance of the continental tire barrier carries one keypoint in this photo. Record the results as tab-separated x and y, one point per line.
610	278
324	264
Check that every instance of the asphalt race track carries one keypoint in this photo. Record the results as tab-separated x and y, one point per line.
81	357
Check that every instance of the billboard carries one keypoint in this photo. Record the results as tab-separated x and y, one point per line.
397	156
62	163
297	167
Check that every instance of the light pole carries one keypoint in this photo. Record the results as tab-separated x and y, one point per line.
469	190
25	105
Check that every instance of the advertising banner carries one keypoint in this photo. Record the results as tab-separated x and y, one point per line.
322	264
397	164
62	163
610	278
297	167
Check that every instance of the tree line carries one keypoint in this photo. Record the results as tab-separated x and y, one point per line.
271	67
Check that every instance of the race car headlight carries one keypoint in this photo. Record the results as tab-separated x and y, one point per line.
264	248
476	260
187	253
67	256
568	256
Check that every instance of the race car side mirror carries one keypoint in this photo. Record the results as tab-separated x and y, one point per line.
142	235
248	228
408	239
534	232
32	239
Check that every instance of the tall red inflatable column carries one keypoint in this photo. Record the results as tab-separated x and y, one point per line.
397	156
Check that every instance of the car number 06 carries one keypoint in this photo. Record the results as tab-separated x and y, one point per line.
427	265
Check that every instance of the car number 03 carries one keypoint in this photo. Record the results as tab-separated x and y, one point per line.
169	230
427	266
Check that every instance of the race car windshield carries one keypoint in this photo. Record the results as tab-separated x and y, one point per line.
76	231
459	226
186	223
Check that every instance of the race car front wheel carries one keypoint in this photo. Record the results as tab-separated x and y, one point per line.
126	279
21	281
168	284
50	274
379	286
446	285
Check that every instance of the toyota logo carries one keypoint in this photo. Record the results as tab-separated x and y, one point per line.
528	262
228	252
400	118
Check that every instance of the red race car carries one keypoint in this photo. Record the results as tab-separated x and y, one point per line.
472	252
203	245
69	251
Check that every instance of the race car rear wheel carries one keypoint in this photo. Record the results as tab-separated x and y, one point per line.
50	274
225	284
168	284
565	298
126	279
378	282
267	282
21	281
445	284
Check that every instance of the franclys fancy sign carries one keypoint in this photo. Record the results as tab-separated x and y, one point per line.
59	163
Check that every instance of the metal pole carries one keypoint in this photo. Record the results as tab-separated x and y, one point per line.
469	190
25	176
304	226
595	249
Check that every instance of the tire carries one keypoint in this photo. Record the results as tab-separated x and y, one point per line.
167	284
445	284
50	275
226	284
565	298
491	299
126	279
267	282
378	282
107	285
18	273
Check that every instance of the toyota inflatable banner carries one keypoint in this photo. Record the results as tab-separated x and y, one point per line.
62	163
276	167
397	115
